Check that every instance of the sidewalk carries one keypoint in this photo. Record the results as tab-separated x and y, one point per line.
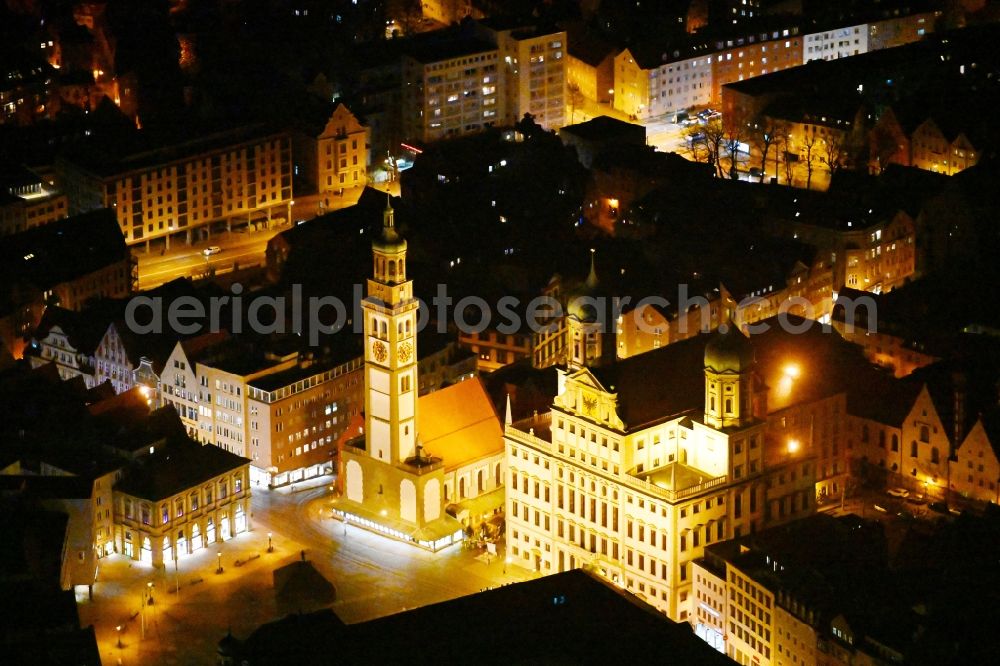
179	626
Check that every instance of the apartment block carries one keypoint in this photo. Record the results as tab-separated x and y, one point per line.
175	191
451	87
534	71
815	591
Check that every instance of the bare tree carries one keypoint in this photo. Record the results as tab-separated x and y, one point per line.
812	150
764	135
734	138
834	152
713	137
576	98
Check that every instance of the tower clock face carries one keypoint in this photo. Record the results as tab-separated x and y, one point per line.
379	351
405	352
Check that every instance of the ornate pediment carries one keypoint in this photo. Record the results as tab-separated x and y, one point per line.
584	396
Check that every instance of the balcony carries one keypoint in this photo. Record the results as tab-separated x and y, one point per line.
672	482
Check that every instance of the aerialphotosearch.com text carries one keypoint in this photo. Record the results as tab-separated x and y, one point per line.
317	316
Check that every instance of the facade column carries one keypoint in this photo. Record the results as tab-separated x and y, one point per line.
156	544
218	527
246	512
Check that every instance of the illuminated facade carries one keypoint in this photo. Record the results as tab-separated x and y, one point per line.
242	175
207	501
976	469
29	202
411	462
341	153
835	43
450	91
295	417
783	597
628	477
667	83
534	73
223	387
753	55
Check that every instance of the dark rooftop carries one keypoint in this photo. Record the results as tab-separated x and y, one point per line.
562	618
605	128
175	468
64	250
431	51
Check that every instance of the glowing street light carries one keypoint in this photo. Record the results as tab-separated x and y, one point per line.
219	569
793	446
792	371
118	628
270	546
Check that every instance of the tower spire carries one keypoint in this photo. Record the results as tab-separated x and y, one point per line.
388	216
592	277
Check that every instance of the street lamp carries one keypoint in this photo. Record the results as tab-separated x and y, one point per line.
270	546
505	563
149	592
119	630
793	446
219	569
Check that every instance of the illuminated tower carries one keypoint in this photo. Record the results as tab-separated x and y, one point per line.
588	341
728	389
390	324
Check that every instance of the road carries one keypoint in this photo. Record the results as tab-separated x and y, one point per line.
241	248
373	576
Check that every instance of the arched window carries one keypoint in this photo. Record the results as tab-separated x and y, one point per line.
935	455
480	483
384	328
895	442
392	268
461	488
913	449
496	475
925	434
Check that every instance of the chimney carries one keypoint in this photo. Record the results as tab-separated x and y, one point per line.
958	378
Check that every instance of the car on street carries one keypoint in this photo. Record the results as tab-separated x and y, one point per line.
939	507
212	249
897	492
879	508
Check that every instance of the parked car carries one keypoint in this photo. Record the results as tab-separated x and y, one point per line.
897	492
754	172
879	508
940	507
916	500
212	249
